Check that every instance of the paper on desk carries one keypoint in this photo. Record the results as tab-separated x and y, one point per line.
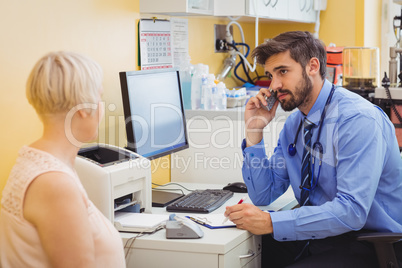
138	222
212	221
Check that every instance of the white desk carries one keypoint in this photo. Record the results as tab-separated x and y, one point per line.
229	248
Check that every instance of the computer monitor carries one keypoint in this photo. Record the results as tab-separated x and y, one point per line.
154	112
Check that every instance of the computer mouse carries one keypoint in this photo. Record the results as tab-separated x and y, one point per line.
236	187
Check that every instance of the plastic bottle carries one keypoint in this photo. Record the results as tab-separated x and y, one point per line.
214	95
208	89
221	97
204	90
200	72
186	73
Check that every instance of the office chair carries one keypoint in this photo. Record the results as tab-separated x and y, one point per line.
383	243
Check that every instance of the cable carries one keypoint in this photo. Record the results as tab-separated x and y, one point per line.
234	18
396	32
317	25
235	71
244	44
252	68
172	183
167	190
243	65
229	37
131	240
256	27
393	105
241	62
245	71
259	77
386	84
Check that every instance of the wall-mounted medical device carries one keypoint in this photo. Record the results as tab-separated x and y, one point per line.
115	179
388	95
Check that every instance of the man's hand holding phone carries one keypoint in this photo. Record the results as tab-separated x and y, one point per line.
271	100
258	115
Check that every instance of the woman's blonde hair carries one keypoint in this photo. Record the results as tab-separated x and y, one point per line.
61	80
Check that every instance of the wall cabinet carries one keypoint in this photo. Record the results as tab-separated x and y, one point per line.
264	9
278	9
284	10
178	7
302	11
231	8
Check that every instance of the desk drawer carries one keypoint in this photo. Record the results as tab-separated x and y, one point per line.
146	258
246	254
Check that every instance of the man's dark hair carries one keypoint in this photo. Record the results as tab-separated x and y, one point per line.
302	46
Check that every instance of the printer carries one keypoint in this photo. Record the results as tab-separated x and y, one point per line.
115	179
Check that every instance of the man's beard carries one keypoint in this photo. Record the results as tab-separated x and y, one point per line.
301	95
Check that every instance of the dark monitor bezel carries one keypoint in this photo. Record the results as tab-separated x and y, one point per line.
131	141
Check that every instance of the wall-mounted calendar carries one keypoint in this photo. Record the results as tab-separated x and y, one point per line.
155	44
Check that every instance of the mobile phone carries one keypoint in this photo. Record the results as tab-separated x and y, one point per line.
271	100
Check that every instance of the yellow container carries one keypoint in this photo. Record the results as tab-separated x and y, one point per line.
361	69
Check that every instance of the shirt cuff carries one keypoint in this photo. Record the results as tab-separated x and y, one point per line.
257	149
283	225
253	157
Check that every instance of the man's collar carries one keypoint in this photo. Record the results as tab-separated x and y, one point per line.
314	114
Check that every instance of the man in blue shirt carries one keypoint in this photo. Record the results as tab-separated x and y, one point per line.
355	182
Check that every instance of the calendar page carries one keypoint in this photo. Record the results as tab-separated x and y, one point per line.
155	44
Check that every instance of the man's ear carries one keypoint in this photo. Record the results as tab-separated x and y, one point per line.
313	67
82	113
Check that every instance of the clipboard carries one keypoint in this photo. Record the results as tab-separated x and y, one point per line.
212	221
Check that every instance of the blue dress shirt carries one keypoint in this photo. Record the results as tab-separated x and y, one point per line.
360	183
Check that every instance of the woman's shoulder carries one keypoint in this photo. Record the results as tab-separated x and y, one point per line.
30	165
53	190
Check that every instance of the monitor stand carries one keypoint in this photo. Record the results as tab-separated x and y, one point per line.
161	198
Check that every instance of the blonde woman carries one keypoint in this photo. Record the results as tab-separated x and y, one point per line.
46	218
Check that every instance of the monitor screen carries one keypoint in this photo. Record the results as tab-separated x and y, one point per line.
154	112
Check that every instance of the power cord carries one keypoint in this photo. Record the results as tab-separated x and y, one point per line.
172	183
168	190
243	64
386	83
129	243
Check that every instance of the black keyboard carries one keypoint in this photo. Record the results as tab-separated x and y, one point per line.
200	201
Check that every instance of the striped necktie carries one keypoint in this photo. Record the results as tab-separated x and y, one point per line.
306	165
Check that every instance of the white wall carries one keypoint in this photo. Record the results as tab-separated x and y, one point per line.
372	11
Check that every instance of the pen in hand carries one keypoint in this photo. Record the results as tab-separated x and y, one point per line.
241	201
